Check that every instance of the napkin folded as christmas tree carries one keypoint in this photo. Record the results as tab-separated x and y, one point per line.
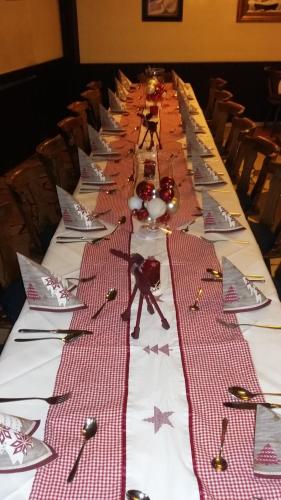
216	218
44	291
19	451
203	173
90	173
124	80
121	92
76	216
115	104
240	294
108	123
267	444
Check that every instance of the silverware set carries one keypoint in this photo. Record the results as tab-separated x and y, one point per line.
71	335
52	400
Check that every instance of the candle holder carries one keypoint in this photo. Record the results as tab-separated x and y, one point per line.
142	283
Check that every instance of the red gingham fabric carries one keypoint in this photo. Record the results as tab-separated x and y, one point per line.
95	368
214	358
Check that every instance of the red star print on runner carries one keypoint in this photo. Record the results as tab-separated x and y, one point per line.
160	418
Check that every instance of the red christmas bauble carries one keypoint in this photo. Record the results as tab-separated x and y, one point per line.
166	194
167	182
145	190
142	214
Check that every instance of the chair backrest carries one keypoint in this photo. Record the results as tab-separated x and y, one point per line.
72	130
80	109
214	84
225	111
271	210
245	161
12	221
273	81
94	99
9	268
219	96
37	199
240	126
61	163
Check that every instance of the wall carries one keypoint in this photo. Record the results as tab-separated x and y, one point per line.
29	33
112	31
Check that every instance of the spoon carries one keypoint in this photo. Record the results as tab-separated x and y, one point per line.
186	228
218	274
237	325
121	221
111	295
219	463
195	306
245	395
136	495
82	280
89	430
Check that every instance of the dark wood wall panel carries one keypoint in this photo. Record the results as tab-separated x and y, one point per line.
34	99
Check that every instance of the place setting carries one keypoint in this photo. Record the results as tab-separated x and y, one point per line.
100	149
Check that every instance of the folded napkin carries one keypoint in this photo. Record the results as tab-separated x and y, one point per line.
90	173
44	291
18	424
193	125
196	146
175	79
19	451
240	294
98	145
120	90
267	443
115	104
75	216
203	173
216	218
108	122
124	80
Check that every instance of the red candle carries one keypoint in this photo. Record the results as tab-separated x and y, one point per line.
151	270
149	169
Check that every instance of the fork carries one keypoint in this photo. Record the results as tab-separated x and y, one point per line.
52	400
236	325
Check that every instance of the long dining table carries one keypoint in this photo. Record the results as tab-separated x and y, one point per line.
158	400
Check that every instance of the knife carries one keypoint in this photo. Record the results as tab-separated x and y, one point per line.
55	330
250	406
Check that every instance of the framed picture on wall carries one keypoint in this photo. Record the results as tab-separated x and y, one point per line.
162	10
259	11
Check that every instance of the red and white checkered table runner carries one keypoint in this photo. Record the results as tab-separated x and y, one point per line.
96	368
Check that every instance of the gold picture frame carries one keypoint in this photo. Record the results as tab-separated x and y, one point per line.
268	11
162	10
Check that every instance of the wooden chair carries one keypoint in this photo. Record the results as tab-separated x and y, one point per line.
245	166
94	99
225	111
81	110
214	84
12	294
37	200
274	94
61	162
13	221
219	96
267	230
240	126
73	132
